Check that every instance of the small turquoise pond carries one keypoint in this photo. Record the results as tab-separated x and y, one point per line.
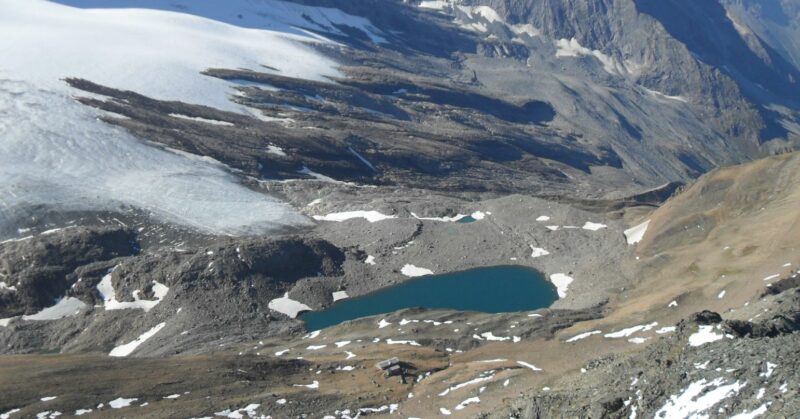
499	289
467	219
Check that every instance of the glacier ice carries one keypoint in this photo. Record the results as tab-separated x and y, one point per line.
54	152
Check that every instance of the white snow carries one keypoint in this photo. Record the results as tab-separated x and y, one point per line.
572	48
128	348
638	341
624	333
753	414
402	342
8	414
583	336
672	303
288	306
414	271
68	306
561	281
121	402
81	412
55	152
363	160
698	398
4	286
527	365
342	343
721	295
479	215
552	228
434	4
593	226
313	386
204	120
466	384
281	352
247	411
383	323
370	260
316	347
542	218
371	216
273	149
665	329
771	277
161	53
48	398
491	337
340	295
770	370
444	411
450	219
106	289
467	402
705	334
635	234
538	252
660	95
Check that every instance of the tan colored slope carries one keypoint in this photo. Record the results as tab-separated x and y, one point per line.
727	232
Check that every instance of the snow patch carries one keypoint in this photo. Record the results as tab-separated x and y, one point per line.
561	281
128	348
583	336
371	216
106	290
593	226
698	398
288	306
65	307
705	334
414	271
447	219
538	252
635	234
340	295
624	333
468	402
527	365
204	120
121	402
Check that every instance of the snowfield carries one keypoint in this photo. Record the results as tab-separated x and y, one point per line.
128	348
158	53
635	234
54	151
561	281
287	306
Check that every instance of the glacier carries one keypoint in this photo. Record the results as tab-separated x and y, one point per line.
56	155
54	152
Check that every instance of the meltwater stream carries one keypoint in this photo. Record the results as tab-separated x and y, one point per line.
498	289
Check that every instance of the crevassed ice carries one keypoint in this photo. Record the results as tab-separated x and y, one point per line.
54	152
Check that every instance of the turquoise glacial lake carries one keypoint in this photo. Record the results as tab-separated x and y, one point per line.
499	289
